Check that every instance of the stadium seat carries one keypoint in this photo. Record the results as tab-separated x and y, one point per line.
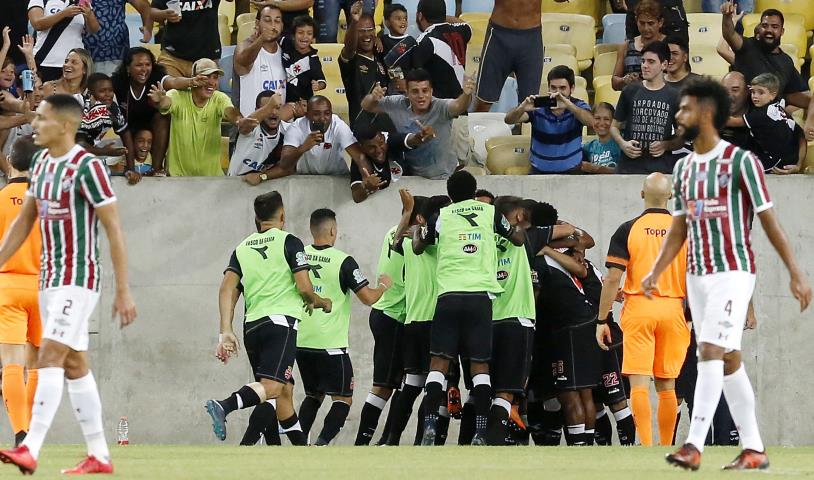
811	81
329	56
704	60
508	152
551	61
483	126
244	31
693	6
705	28
155	48
604	64
795	29
245	18
476	171
470	17
601	48
791	50
226	64
788	7
560	49
477	6
572	29
473	52
479	24
590	8
228	9
613	28
224	30
339	102
604	92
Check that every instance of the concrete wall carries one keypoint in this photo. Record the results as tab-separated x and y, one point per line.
180	233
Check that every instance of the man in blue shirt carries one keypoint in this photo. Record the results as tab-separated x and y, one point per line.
556	131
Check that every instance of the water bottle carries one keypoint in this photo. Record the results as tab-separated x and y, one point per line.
122	431
175	6
28	81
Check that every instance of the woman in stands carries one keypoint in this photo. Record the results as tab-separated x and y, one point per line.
649	20
76	69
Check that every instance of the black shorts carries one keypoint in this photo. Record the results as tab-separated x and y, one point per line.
611	388
327	372
512	345
685	383
462	325
541	381
387	356
416	347
577	364
506	51
271	348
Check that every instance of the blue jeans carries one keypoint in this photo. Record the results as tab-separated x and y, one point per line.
326	16
714	6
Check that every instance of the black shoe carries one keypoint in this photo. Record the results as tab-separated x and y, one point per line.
478	440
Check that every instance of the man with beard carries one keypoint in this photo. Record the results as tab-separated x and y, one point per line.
258	59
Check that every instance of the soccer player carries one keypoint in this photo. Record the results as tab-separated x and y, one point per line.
717	189
656	334
269	266
322	342
20	327
467	281
71	192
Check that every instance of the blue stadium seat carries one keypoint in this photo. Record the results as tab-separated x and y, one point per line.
508	97
226	64
477	6
613	26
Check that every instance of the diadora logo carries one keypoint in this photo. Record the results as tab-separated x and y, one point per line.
470	248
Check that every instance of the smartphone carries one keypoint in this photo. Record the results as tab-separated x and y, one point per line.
545	102
318	127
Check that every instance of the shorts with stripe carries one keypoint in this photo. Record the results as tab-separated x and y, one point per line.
506	51
656	336
19	309
325	372
387	349
271	345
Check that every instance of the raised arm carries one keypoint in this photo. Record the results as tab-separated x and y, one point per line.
91	22
733	38
460	105
520	114
246	53
352	35
123	304
370	103
568	262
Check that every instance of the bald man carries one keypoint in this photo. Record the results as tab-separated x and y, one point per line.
655	332
735	85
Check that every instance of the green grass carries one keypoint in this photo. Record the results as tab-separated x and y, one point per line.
357	463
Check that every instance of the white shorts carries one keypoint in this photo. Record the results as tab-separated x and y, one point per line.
65	313
719	303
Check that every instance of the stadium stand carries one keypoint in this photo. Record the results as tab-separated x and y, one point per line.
614	28
468	6
705	28
795	29
508	153
704	60
482	127
800	7
572	29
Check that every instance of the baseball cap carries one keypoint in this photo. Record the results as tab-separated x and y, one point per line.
205	66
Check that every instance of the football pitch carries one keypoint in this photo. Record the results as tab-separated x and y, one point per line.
357	463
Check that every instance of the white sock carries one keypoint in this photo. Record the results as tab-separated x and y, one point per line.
741	399
707	396
576	429
622	414
87	408
502	402
600	413
376	401
46	402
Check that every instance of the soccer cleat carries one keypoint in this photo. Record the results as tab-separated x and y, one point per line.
454	405
215	410
89	465
428	438
478	440
516	418
21	457
749	460
687	457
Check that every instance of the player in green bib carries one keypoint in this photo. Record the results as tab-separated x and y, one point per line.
322	342
467	282
269	267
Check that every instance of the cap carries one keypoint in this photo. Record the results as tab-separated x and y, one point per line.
205	66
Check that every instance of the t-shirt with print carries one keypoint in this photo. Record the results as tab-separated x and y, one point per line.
774	135
603	154
98	118
69	33
325	158
434	159
359	74
396	146
113	38
258	150
441	50
649	116
194	149
196	35
300	70
266	73
751	60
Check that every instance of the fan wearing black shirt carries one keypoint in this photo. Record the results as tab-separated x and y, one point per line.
735	85
187	37
396	46
441	48
291	9
303	69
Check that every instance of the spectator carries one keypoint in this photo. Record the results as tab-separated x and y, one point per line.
100	114
415	112
739	103
556	128
188	35
259	61
15	16
131	84
776	138
714	6
601	155
291	9
673	12
441	48
259	146
314	144
485	196
59	33
628	68
143	143
762	54
396	46
8	75
108	45
646	111
396	21
76	69
678	67
326	15
196	115
361	67
301	62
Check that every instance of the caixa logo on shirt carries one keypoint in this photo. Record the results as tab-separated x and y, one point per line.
469	248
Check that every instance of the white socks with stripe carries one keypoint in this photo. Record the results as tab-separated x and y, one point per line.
707	396
87	408
741	399
46	402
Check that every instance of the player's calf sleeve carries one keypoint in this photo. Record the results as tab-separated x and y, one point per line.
334	421
14	396
32	376
401	410
625	426
497	421
707	395
245	397
482	394
88	411
642	414
667	411
434	394
604	430
262	416
552	422
369	419
467	430
388	423
443	427
308	412
589	436
575	434
741	399
46	401
293	430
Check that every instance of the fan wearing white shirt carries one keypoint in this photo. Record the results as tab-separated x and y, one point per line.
258	147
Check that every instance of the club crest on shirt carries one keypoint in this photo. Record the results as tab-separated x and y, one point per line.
67	184
723	179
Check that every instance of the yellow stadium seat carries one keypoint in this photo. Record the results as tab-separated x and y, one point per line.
470	17
508	155
224	153
799	7
228	9
244	18
795	30
224	30
244	31
811	82
329	56
590	8
693	6
572	29
705	28
560	49
479	28
339	102
791	50
601	48
483	126
473	52
808	166
604	92
129	8
476	171
704	60
604	64
551	61
155	48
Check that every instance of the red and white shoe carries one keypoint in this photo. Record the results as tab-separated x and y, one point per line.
749	460
21	457
687	457
89	465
